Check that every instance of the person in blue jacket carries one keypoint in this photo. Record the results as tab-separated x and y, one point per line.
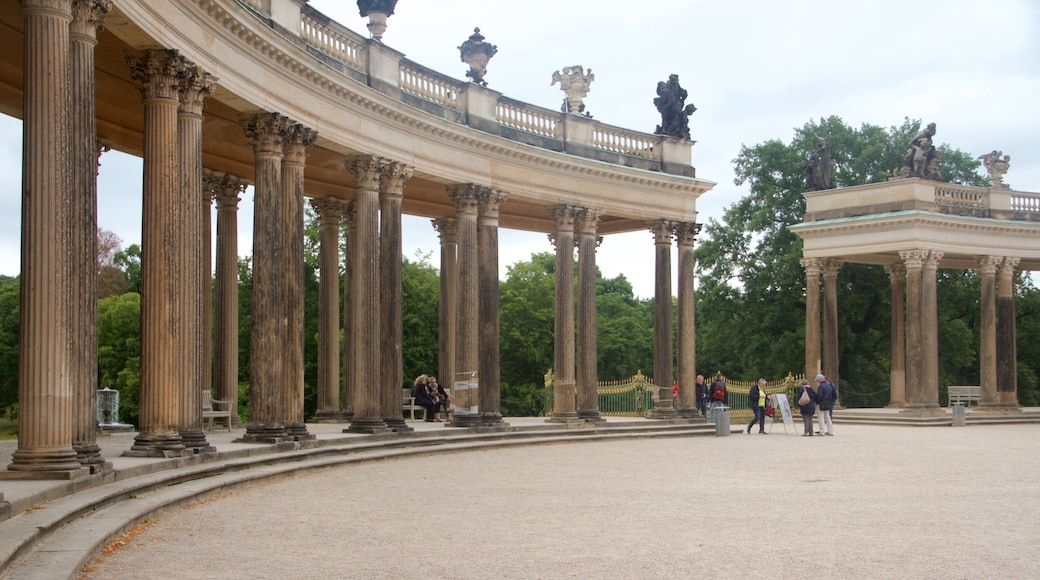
808	395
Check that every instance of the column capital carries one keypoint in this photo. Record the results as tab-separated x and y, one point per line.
831	267
931	261
490	203
224	188
350	214
987	265
447	229
366	171
896	272
813	267
266	132
662	231
87	16
686	233
330	209
393	176
465	196
298	139
913	259
157	72
194	85
1007	266
587	220
563	216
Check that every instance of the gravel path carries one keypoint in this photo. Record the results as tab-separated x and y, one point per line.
871	502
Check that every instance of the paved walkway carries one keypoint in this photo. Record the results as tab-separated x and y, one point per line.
871	502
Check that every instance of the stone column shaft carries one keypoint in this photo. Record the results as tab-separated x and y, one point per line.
564	387
812	316
489	363
588	345
467	345
685	236
987	270
1007	355
392	179
364	299
195	85
662	231
448	311
45	394
330	210
87	17
294	159
349	358
930	331
831	269
897	371
913	260
267	132
227	189
162	288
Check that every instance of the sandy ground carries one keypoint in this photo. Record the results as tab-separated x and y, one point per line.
871	502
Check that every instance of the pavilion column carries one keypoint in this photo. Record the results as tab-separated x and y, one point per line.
467	346
564	388
930	331
831	268
267	132
87	17
448	230
685	236
392	180
897	356
489	362
913	261
987	270
587	343
294	159
226	191
163	315
330	211
195	85
364	329
349	346
45	393
662	231
1007	349
812	266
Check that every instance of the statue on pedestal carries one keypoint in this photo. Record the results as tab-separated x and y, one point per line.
922	160
671	103
819	170
575	82
996	167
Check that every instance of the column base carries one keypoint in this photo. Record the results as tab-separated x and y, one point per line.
157	445
571	417
493	420
896	405
591	416
66	474
662	410
298	432
89	456
266	434
688	413
467	420
327	417
398	424
369	426
996	408
923	410
48	463
195	439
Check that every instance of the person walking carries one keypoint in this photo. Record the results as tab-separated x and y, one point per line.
718	396
806	398
700	392
826	395
757	403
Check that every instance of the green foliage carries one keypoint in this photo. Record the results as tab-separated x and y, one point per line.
9	325
420	312
129	261
119	351
526	314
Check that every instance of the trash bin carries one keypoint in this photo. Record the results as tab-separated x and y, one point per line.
958	414
722	421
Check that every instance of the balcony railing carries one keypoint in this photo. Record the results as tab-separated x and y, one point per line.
528	118
432	86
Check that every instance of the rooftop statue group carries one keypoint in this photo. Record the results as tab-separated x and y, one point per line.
996	164
675	113
922	160
819	170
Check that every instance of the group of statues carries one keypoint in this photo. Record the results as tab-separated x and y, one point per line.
675	113
922	160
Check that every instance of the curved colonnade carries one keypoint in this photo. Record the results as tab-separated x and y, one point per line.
217	94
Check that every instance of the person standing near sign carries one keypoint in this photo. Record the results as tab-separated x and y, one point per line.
806	398
718	396
757	403
826	394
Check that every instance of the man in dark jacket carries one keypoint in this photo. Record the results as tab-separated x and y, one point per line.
826	394
700	392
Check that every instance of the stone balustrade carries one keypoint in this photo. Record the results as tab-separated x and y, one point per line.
332	39
430	85
528	118
1028	202
624	141
960	197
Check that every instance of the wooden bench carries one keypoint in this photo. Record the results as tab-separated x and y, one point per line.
964	394
408	404
209	412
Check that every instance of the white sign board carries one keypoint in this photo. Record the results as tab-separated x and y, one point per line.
781	404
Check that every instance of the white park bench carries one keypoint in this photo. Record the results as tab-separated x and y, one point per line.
209	412
408	404
964	394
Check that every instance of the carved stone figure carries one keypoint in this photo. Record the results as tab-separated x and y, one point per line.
996	167
922	160
819	170
670	102
575	83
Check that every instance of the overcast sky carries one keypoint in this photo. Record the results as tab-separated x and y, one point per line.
755	69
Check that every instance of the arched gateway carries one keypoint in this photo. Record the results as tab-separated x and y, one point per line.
215	94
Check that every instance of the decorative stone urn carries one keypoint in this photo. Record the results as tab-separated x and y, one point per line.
377	11
476	53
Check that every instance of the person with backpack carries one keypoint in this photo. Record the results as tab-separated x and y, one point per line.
757	404
826	395
806	398
717	395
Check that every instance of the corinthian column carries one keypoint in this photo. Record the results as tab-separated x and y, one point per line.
564	389
831	268
87	17
364	299
1007	355
662	231
267	133
467	345
45	395
987	271
226	190
588	346
897	356
812	316
448	312
163	325
490	203
330	211
392	179
297	141
685	235
350	351
930	331
913	261
195	85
